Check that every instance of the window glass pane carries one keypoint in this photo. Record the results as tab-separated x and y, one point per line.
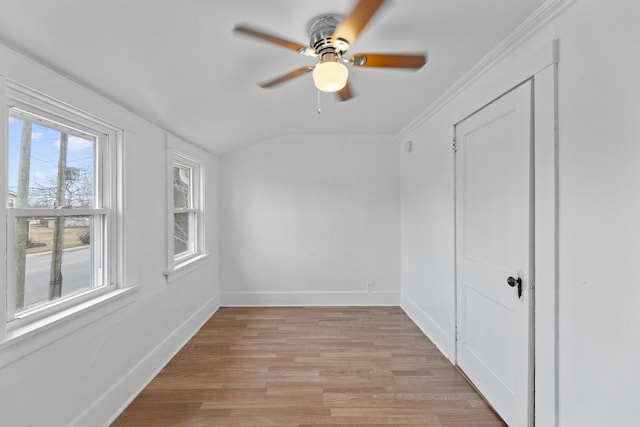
181	186
49	168
181	226
46	270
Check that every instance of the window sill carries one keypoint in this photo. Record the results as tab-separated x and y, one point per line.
185	267
26	339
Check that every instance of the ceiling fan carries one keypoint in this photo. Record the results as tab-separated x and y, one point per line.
330	39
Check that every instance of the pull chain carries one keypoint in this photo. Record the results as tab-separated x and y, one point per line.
319	109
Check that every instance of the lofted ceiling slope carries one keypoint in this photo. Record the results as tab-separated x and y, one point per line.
179	65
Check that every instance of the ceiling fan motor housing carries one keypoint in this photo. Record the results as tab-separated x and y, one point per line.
320	32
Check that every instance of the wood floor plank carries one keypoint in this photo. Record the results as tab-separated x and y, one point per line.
309	367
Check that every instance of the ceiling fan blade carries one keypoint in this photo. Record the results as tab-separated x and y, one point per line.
349	29
296	73
390	61
300	48
345	93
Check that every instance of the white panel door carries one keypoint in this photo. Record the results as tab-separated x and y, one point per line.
493	253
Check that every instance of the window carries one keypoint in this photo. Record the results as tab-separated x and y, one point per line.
61	176
185	206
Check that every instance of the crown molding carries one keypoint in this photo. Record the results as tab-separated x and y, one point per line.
549	11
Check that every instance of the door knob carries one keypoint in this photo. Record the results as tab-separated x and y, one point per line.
513	282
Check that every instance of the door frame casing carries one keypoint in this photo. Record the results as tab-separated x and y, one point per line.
542	67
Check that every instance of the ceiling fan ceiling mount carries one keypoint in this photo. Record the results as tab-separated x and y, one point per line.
331	36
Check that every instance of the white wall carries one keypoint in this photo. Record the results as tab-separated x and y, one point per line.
309	220
599	318
89	372
599	208
427	231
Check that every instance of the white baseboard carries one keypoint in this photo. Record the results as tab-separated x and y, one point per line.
428	326
297	299
115	399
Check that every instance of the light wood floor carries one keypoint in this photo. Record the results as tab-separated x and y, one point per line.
299	367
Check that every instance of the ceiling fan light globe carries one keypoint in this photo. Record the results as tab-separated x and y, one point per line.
330	76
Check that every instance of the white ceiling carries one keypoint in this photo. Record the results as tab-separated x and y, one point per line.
177	63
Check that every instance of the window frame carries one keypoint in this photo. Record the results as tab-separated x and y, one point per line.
107	204
196	246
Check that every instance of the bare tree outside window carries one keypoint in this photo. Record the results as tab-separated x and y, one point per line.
181	200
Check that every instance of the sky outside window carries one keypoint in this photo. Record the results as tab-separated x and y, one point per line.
45	154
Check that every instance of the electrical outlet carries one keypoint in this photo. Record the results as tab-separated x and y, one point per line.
369	286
